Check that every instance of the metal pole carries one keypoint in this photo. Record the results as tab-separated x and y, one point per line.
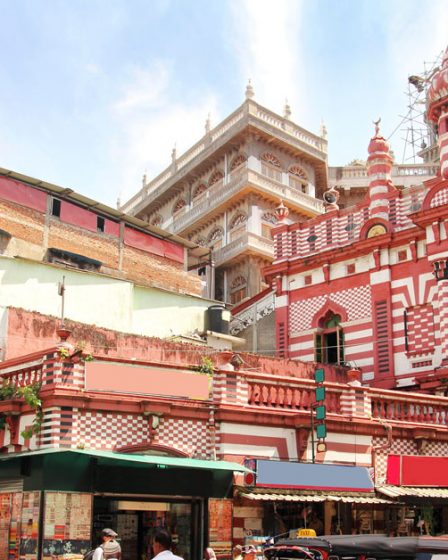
313	456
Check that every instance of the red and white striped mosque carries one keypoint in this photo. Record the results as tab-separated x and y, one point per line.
143	433
368	285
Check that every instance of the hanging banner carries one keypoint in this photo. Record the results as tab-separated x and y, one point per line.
67	525
29	526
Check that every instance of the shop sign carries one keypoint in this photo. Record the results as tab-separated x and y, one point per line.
417	470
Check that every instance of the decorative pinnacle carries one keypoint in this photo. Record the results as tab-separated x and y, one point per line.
249	90
173	154
323	129
377	126
207	124
286	110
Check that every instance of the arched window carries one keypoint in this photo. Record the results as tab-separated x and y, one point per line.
215	177
202	187
268	220
298	179
329	343
238	289
214	240
180	203
237	161
270	166
156	220
237	225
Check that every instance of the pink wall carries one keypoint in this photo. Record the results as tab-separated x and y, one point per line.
30	197
147	242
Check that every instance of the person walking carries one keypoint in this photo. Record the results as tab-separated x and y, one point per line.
237	553
209	554
162	545
109	549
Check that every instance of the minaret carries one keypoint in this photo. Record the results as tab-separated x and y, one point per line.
379	167
437	102
438	111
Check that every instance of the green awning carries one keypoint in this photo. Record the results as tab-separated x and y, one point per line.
106	471
111	457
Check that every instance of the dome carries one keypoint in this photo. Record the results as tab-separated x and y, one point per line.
438	89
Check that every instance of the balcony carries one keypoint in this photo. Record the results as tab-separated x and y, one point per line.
249	114
247	242
219	195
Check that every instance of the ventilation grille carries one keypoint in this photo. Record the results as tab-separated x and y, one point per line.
382	332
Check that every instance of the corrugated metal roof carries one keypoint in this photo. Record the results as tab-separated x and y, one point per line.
404	491
314	498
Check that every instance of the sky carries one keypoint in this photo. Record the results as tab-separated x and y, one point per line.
95	93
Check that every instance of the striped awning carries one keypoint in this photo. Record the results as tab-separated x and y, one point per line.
288	497
412	492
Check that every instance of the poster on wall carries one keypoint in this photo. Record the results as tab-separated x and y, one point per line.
14	526
67	525
5	520
220	525
29	526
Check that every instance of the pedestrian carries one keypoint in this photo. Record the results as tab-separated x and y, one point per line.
162	546
209	554
109	549
249	552
237	552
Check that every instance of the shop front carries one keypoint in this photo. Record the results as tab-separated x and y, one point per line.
330	499
54	503
420	485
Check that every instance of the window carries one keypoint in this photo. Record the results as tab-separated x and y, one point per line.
237	225
179	205
201	188
214	239
100	224
238	289
73	260
298	178
266	231
56	207
351	268
308	280
329	342
237	161
402	255
270	166
215	178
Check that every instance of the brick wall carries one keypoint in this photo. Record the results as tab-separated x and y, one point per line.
33	232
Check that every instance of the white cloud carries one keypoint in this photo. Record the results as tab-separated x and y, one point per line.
266	39
152	119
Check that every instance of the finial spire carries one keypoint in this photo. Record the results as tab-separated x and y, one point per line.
144	179
286	110
173	154
377	126
207	124
323	129
249	90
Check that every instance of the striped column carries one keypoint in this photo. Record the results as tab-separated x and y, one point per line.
379	167
443	141
441	274
438	111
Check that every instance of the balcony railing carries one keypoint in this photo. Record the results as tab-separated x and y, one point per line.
417	409
244	241
249	113
30	375
290	396
220	193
